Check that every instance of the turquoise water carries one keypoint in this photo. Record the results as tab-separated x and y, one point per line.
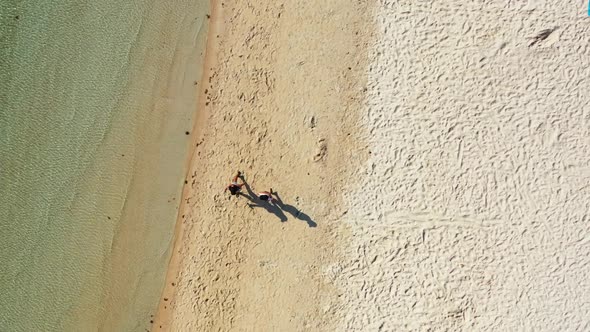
92	157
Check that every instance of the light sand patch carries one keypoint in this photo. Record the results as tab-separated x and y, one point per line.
472	212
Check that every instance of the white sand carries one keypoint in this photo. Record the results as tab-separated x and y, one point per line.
472	212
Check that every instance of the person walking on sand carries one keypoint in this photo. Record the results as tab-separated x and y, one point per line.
234	187
266	196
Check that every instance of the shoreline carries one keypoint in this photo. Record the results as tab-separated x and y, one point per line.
232	266
162	316
95	123
160	163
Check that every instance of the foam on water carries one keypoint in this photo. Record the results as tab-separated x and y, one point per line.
94	106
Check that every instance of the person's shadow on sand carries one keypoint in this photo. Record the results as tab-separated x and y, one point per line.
277	208
256	202
294	211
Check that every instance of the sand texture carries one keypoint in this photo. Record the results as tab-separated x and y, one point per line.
287	125
440	150
473	209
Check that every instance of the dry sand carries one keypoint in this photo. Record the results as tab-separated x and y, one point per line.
280	99
442	150
472	212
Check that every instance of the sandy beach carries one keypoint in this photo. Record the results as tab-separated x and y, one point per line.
431	160
237	266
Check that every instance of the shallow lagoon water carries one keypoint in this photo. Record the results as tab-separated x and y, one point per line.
94	106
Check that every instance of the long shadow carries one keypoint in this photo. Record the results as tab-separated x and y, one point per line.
294	211
256	202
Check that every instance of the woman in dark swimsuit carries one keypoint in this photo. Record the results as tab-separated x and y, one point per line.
266	196
234	187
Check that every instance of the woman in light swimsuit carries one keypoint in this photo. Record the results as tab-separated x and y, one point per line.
234	187
266	196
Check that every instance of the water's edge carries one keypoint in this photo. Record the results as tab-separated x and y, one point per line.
95	105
